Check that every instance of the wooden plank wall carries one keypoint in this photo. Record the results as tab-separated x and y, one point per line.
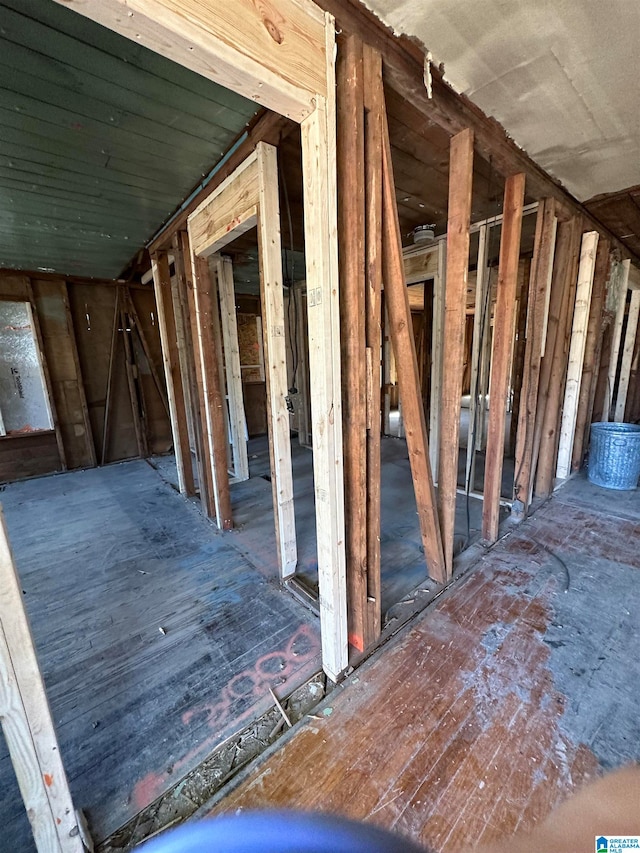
75	319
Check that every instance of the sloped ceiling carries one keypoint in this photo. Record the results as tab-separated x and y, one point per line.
561	76
100	140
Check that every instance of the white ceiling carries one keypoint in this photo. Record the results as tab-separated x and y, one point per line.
561	76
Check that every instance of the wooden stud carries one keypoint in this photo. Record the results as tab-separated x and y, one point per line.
351	257
437	348
320	223
173	376
373	131
616	337
482	316
33	311
212	400
304	411
397	302
108	392
27	723
556	356
501	352
577	346
182	254
139	423
460	186
627	356
137	326
229	320
275	355
517	365
86	420
537	313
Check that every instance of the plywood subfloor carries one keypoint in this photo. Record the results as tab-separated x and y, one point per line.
108	557
495	704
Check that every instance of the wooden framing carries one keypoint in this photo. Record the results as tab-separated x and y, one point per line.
481	323
211	395
351	257
593	348
577	346
173	375
502	350
627	355
249	197
399	312
621	306
226	295
460	184
27	723
548	422
439	289
537	315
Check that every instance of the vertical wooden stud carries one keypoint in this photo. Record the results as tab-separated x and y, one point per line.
577	346
229	324
173	377
212	401
437	358
459	215
501	352
270	253
616	337
320	222
627	356
538	306
399	312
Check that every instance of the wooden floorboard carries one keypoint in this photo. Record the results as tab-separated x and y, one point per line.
495	704
108	557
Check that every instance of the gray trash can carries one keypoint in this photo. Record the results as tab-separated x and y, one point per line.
614	456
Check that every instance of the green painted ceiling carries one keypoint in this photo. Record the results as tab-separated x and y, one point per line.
100	140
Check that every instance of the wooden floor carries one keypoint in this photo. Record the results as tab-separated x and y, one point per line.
108	557
495	704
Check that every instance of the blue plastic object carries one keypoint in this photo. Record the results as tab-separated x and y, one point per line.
614	455
279	832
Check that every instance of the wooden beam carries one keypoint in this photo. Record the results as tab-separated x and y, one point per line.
627	355
131	369
49	398
373	136
173	376
212	400
538	306
518	349
73	345
351	258
460	185
501	352
556	358
112	357
184	282
437	348
481	319
401	327
275	356
229	320
27	723
274	57
320	223
577	346
621	287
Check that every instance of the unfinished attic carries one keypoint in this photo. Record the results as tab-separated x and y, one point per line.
319	417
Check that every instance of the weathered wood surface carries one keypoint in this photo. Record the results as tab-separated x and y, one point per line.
136	709
478	757
501	353
459	215
401	328
537	316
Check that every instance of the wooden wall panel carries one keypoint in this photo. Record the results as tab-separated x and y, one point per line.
61	354
28	455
